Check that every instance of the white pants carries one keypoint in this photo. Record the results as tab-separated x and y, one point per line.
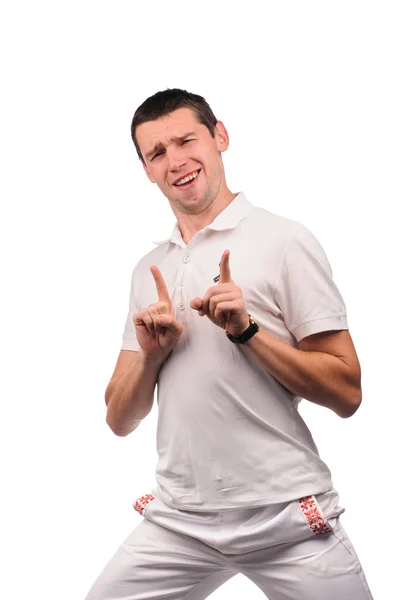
292	551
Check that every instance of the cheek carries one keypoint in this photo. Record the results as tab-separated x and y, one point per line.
158	176
208	164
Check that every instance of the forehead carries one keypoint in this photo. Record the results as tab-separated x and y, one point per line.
174	124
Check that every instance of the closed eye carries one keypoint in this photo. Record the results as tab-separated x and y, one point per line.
161	151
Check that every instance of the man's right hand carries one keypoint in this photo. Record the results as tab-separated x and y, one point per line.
157	330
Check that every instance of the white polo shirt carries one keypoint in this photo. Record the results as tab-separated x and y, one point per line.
229	435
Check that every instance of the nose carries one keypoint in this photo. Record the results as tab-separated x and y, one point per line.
175	159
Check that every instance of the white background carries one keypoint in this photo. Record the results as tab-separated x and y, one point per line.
319	99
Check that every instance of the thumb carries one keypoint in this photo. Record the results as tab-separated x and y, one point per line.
196	303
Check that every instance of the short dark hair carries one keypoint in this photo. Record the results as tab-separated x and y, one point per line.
165	102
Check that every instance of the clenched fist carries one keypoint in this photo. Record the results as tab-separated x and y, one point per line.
157	330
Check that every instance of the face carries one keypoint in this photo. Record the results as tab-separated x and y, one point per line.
176	147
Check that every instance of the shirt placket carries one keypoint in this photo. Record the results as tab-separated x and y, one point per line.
184	273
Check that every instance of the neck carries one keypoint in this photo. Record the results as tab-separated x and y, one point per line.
190	224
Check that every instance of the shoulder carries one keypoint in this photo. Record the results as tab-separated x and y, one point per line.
278	228
153	257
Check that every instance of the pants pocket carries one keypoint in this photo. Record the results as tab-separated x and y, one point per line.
343	538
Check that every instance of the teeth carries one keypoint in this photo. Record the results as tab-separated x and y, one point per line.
189	178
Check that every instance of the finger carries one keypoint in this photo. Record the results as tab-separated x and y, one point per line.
169	322
213	291
144	318
154	313
161	286
225	274
225	307
162	307
205	302
215	300
196	303
137	320
159	308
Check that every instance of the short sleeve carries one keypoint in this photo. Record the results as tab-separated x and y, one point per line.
130	341
307	296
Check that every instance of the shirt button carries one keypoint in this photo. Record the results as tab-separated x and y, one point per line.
186	259
181	281
182	306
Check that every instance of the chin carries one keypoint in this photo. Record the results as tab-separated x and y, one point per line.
192	205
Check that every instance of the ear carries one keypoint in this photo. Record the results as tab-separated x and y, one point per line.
222	137
148	172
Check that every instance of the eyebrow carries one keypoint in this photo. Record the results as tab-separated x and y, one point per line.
159	145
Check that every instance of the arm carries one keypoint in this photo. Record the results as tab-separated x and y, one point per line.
130	393
324	369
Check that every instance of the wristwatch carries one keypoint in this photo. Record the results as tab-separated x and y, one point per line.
246	335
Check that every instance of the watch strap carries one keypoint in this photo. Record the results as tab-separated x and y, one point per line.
246	335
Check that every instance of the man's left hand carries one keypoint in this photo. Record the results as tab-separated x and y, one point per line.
223	303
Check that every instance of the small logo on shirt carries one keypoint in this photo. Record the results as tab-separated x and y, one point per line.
216	279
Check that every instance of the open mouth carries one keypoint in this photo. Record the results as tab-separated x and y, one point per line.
187	182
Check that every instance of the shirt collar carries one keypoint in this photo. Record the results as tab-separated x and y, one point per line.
228	218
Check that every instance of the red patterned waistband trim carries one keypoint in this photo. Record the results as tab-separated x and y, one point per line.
314	515
141	503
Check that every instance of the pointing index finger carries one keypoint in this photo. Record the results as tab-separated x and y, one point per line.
225	275
161	286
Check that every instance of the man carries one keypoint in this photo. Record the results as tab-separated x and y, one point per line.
235	318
